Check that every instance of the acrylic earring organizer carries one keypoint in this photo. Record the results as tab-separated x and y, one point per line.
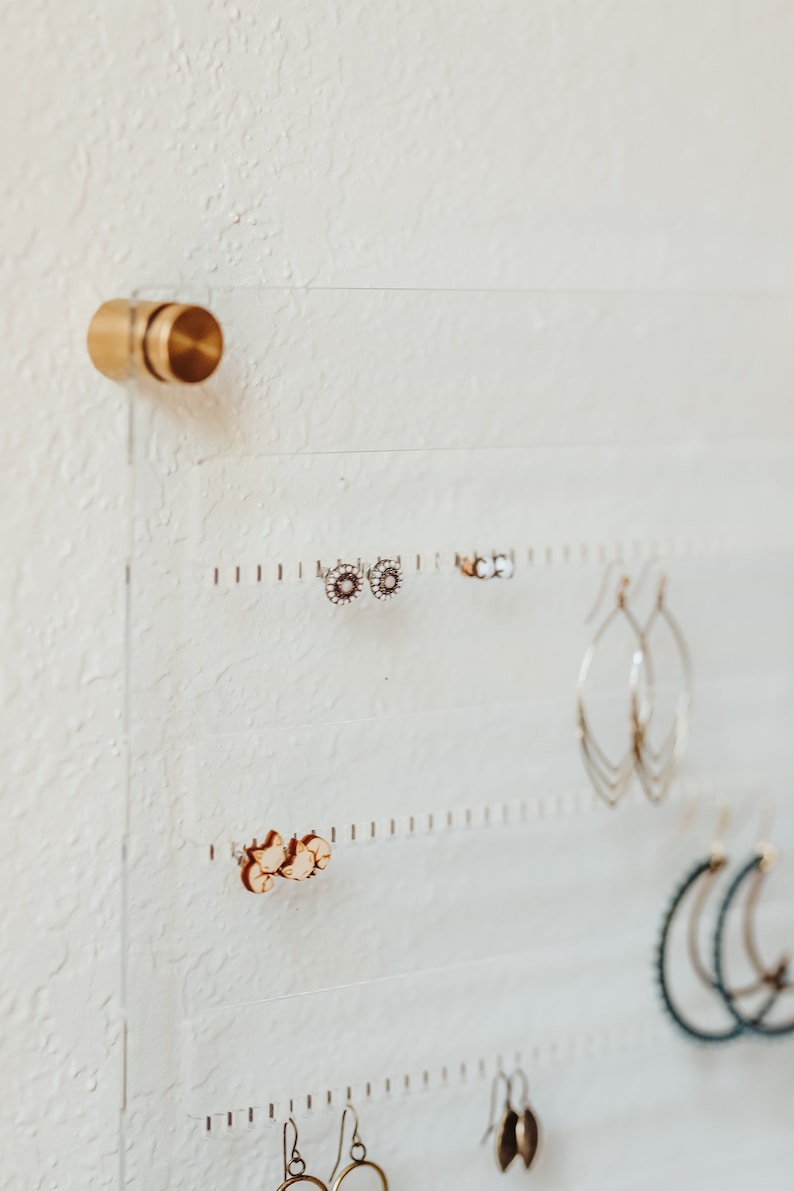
229	484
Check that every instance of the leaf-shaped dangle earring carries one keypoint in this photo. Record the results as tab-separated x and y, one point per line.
611	779
657	767
527	1131
506	1126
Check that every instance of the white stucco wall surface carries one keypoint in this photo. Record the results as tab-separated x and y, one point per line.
629	146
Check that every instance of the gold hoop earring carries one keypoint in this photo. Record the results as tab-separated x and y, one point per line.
295	1167
358	1154
611	779
657	768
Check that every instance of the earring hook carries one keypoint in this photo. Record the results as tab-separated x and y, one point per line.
500	1075
621	593
766	823
645	569
723	824
295	1160
356	1144
521	1074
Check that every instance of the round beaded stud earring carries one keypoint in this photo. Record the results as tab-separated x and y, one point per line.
385	578
343	583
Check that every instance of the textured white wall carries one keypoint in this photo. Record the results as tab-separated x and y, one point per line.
599	144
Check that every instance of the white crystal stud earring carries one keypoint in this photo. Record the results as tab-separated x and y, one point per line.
343	583
385	578
504	567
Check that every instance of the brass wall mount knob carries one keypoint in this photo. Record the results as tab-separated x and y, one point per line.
166	340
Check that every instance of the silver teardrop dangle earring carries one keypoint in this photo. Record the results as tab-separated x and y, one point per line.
611	779
385	578
657	767
343	583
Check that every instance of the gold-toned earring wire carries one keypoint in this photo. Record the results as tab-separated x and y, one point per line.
295	1167
358	1154
611	779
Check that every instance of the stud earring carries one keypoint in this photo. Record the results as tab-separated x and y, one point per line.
295	1167
343	583
261	862
481	568
504	566
305	857
296	861
385	578
358	1154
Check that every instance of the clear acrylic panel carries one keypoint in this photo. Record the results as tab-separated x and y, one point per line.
479	903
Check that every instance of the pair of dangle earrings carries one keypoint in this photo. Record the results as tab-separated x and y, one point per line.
654	765
517	1132
345	582
295	1167
767	983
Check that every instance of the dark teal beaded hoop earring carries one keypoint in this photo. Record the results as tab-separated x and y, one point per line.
704	868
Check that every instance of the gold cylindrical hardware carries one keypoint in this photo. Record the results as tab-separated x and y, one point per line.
169	341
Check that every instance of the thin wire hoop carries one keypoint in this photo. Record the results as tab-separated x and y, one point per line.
757	867
657	768
358	1166
611	779
302	1178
